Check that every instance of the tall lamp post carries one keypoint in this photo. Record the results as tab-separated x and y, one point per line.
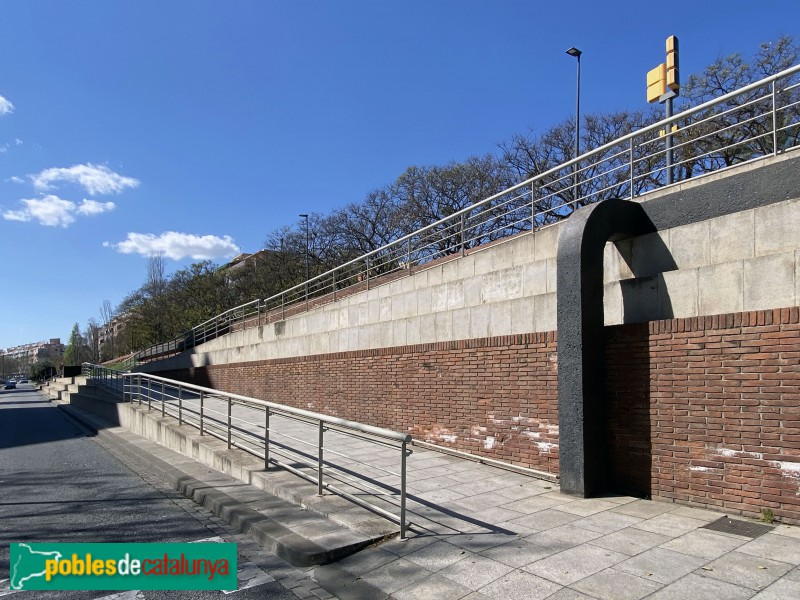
577	54
307	250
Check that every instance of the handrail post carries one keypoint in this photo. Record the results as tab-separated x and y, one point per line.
630	154
283	306
463	242
408	255
367	273
320	457
149	399
163	398
403	492
334	285
534	189
139	388
266	438
230	409
774	121
180	405
201	413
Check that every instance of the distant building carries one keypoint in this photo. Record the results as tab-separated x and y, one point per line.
29	354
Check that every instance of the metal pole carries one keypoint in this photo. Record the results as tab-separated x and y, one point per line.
319	458
631	165
180	405
230	408
577	128
149	394
774	121
266	438
403	493
163	399
202	395
578	111
368	273
307	252
334	285
668	138
463	247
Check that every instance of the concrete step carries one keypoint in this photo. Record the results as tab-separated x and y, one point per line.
301	537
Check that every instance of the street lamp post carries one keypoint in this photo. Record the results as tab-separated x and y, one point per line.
577	54
307	251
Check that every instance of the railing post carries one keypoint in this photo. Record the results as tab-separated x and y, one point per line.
283	306
774	121
320	457
163	399
368	273
334	285
630	155
403	493
149	399
463	241
139	388
230	408
202	395
180	405
534	189
408	255
266	438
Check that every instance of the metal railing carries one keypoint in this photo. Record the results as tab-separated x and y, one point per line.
261	429
110	378
756	121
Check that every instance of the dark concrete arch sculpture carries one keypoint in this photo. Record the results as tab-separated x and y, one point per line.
583	456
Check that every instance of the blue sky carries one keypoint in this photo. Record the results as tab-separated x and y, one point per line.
196	128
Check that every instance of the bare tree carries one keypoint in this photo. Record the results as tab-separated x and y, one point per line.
107	317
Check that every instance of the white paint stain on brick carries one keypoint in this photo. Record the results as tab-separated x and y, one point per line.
488	443
546	446
699	469
730	453
448	438
788	469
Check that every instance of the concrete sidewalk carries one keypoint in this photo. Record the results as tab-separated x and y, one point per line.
483	532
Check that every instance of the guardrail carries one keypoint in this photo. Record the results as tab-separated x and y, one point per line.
105	376
260	429
756	121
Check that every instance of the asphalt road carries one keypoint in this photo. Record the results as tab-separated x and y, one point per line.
58	485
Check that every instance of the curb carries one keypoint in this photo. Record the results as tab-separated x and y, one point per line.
296	549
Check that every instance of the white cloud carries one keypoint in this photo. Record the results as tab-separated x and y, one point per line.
52	211
6	108
177	246
15	179
95	179
93	207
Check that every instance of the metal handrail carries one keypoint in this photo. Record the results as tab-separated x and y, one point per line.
636	163
193	406
106	376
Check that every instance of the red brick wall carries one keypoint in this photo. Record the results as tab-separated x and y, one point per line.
712	404
703	410
494	396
